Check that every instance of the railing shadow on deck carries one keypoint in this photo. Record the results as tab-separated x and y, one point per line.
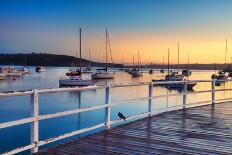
35	117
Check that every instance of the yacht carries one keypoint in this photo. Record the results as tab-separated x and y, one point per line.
75	78
136	73
174	76
40	69
24	70
75	81
104	73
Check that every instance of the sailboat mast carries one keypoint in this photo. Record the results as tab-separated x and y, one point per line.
168	60
138	58
178	59
80	47
89	56
163	63
188	59
133	60
106	44
226	53
25	60
76	52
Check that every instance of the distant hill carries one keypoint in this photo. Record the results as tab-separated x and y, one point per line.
43	59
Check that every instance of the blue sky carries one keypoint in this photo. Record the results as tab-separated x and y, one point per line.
50	25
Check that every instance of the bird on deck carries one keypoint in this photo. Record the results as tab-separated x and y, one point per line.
120	115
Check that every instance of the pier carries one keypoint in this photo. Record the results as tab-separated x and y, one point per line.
187	128
201	130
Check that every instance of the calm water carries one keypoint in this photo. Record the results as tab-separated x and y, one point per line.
12	108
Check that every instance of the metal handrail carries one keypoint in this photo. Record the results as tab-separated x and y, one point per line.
35	118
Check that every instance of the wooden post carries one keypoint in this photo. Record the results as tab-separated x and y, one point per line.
185	95
108	101
213	91
150	91
35	123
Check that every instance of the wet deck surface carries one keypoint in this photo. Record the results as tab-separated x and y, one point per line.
201	130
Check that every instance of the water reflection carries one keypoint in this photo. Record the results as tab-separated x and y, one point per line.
19	107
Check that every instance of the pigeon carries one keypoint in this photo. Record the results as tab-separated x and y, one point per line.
120	115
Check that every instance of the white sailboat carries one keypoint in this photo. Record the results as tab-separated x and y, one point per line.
88	69
23	69
136	72
104	73
187	72
175	77
79	80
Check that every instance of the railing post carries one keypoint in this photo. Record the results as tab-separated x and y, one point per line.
107	109
185	94
35	123
150	91
213	91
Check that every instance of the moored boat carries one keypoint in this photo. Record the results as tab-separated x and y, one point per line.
186	72
102	74
2	76
40	69
75	81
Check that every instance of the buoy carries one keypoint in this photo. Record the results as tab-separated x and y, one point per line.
14	78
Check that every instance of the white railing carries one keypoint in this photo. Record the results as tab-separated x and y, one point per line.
35	117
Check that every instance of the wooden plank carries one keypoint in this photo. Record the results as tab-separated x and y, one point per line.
200	130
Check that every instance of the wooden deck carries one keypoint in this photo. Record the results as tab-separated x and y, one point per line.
201	130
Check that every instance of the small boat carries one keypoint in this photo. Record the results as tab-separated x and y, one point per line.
75	81
222	76
2	76
88	70
186	72
102	74
214	76
151	71
73	72
40	69
24	70
230	74
178	86
174	76
14	73
136	73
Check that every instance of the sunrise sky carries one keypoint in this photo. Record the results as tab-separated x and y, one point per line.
150	26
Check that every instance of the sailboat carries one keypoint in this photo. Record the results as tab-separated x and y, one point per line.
2	76
162	69
175	77
103	73
75	80
23	69
88	69
222	74
76	71
187	72
136	72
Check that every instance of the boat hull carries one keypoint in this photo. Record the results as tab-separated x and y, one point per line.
75	83
102	76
